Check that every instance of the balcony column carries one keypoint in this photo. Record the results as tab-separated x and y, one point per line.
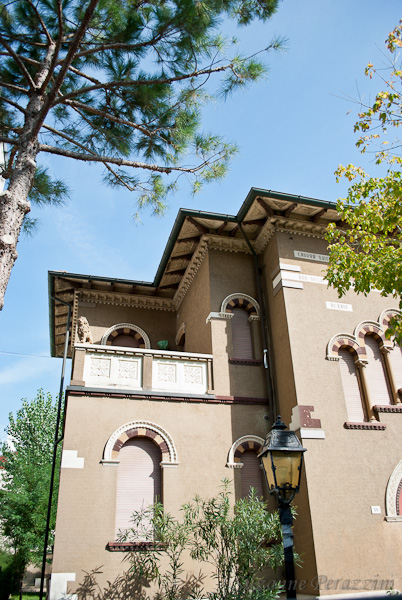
77	375
147	372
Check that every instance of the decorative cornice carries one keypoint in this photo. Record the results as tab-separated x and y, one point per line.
229	244
131	301
74	319
305	228
219	315
264	237
190	273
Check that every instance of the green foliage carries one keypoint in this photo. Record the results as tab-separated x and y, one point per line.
238	541
10	574
26	480
366	252
123	84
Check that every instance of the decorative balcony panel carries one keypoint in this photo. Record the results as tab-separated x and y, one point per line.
108	370
179	375
143	369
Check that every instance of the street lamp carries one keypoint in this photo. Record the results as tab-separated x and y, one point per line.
282	460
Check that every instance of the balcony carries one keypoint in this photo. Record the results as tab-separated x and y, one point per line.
115	367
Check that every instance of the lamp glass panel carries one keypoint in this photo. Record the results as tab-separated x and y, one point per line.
287	468
267	466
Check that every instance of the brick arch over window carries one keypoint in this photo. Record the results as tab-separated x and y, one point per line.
126	329
393	496
141	429
247	442
374	329
387	315
239	300
344	341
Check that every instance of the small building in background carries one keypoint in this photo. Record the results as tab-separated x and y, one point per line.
176	383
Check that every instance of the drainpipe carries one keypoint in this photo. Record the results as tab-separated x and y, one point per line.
266	338
57	441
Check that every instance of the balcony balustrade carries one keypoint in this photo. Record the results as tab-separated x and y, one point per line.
115	367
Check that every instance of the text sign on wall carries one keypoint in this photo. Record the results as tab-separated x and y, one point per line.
339	306
311	256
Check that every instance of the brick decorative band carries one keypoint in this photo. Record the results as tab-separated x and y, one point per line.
251	362
377	426
388	408
131	546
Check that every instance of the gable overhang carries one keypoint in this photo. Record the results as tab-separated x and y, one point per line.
191	229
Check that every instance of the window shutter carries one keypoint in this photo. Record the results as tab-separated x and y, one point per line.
251	474
395	359
376	376
138	479
241	334
354	405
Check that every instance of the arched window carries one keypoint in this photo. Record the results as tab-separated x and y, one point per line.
138	479
351	384
395	359
126	334
251	473
241	334
376	375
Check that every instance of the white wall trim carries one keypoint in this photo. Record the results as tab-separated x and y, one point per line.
70	460
58	586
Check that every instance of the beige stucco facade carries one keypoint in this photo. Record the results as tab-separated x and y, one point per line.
198	399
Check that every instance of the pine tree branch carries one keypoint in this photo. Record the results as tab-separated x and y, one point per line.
122	46
14	104
6	140
66	63
73	141
19	62
111	85
83	75
22	39
121	162
45	29
15	88
109	116
57	46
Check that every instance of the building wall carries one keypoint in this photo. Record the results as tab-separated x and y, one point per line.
157	324
346	471
202	433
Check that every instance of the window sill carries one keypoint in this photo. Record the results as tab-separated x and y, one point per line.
388	408
377	426
130	546
251	362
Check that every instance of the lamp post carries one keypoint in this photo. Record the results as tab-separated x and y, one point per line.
282	460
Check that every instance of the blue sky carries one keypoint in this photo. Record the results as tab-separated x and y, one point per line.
293	129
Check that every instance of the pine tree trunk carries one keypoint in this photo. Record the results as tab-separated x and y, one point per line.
14	203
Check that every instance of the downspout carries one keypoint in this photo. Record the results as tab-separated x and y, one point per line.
57	441
265	331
